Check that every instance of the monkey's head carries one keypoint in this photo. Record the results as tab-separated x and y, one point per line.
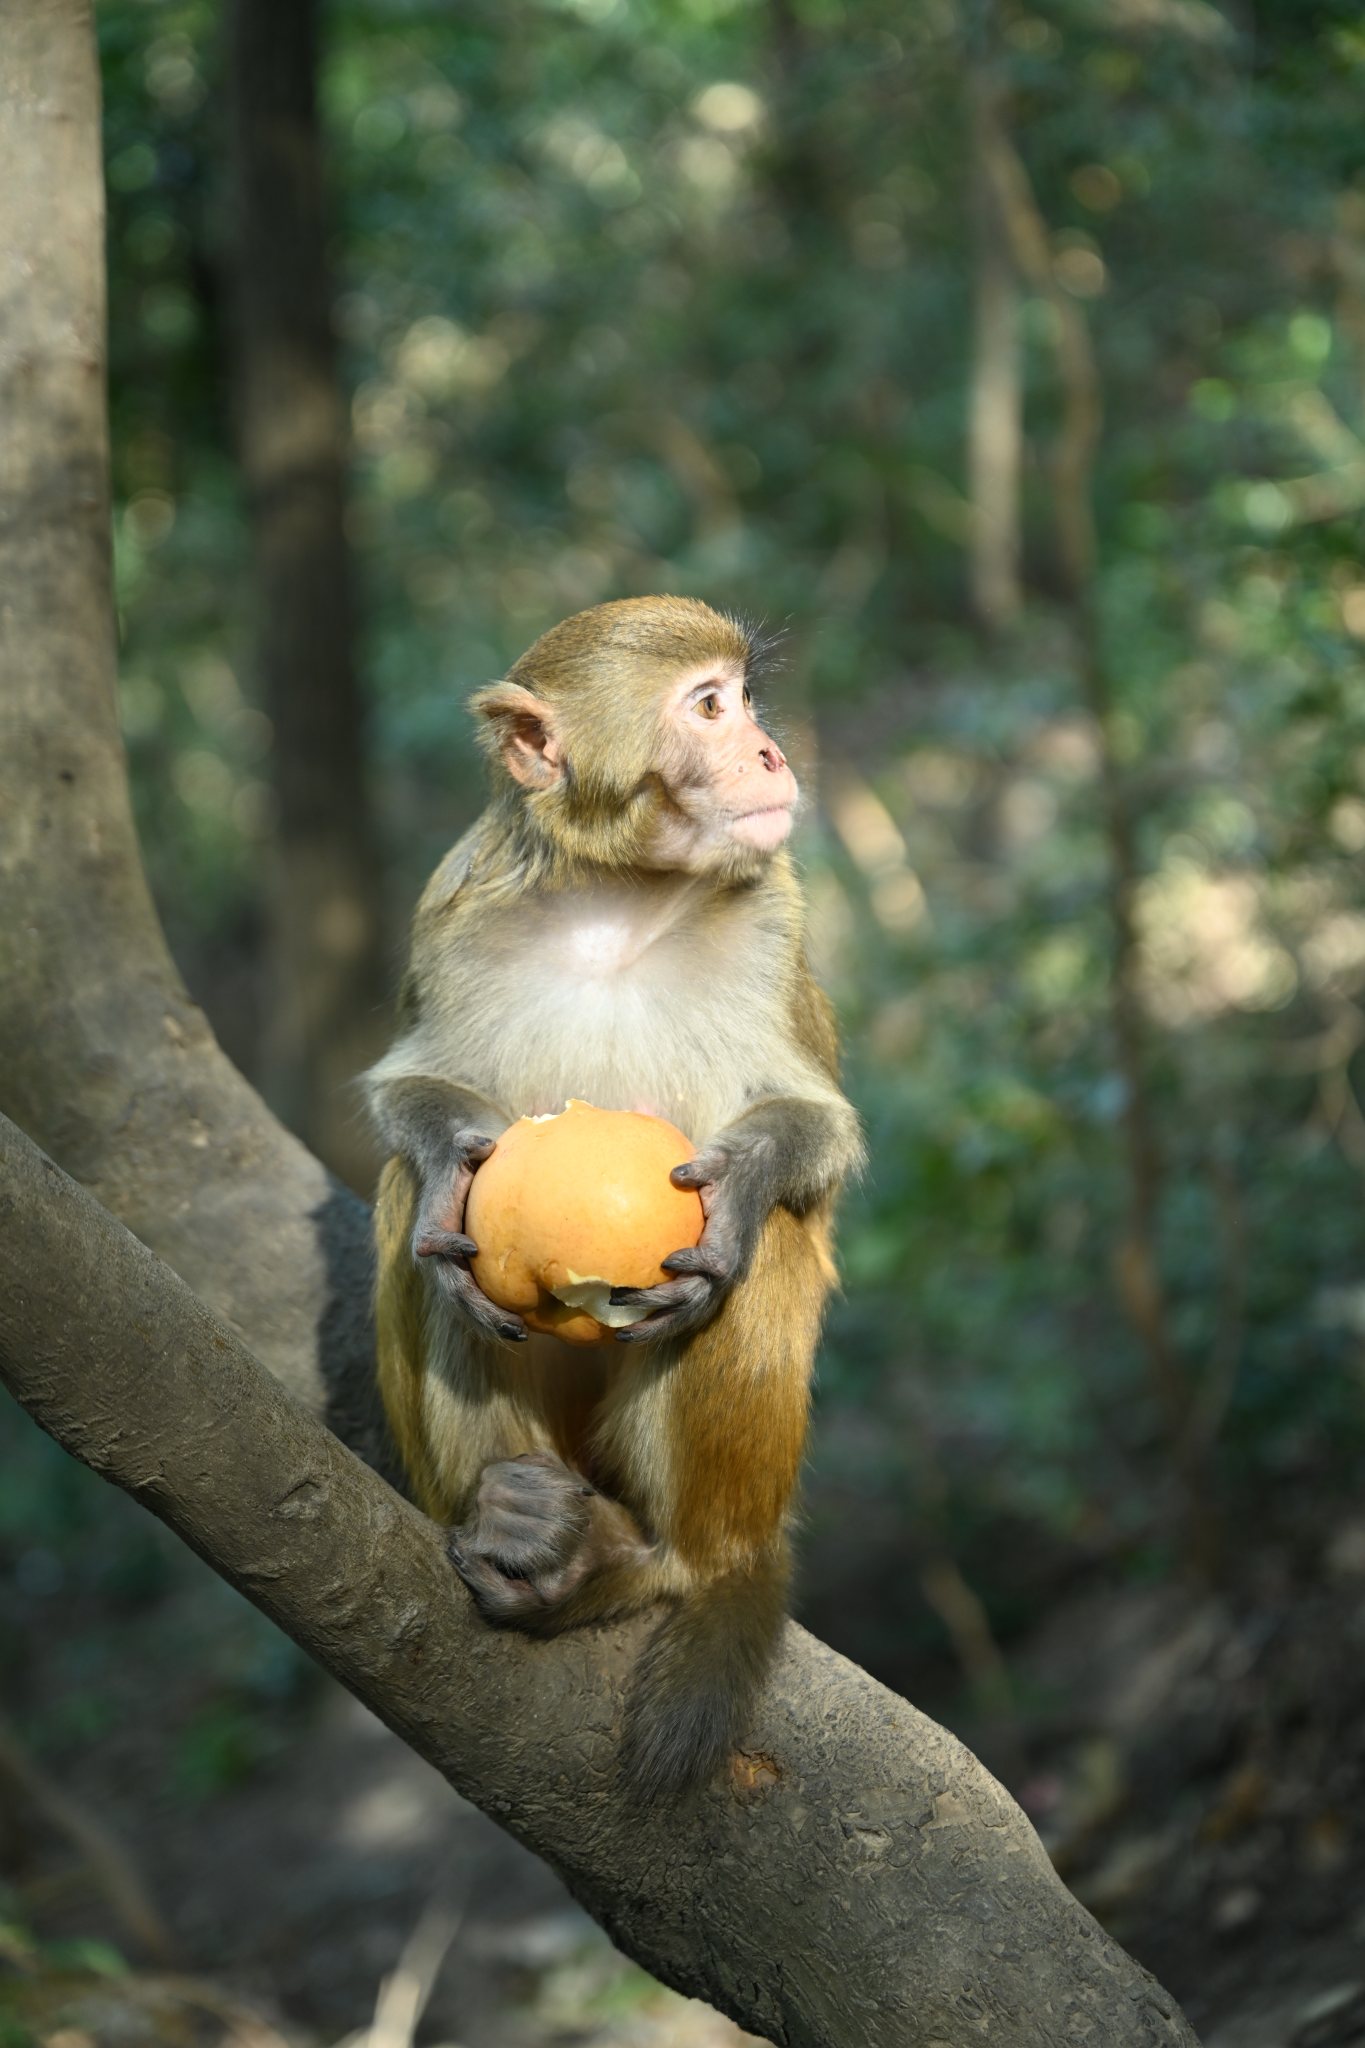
627	737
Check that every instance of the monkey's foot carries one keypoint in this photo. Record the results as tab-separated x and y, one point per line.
525	1547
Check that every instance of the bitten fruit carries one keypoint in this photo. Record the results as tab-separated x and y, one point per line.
570	1206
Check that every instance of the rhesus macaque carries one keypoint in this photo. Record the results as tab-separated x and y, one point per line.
622	925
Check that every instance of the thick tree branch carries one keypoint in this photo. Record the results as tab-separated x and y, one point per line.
103	1057
860	1878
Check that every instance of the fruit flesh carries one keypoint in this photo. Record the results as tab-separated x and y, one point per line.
570	1206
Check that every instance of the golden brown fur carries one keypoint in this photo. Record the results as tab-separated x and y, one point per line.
550	957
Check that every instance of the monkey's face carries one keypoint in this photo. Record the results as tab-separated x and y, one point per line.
630	732
727	781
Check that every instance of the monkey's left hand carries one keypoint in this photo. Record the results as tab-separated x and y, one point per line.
735	1186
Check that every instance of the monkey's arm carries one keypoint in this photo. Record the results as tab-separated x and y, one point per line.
786	1151
445	1130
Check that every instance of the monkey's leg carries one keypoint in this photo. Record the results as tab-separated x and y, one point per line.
704	1444
455	1402
738	1403
697	1447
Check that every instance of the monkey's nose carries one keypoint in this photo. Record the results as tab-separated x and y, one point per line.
773	759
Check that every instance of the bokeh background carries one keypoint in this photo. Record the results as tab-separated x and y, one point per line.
1008	361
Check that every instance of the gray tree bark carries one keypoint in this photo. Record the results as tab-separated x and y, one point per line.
860	1878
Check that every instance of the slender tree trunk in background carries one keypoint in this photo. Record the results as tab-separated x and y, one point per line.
1138	1264
326	961
995	426
794	160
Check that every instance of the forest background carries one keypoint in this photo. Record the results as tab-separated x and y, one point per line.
849	318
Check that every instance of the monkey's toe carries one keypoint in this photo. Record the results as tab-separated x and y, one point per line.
530	1517
499	1596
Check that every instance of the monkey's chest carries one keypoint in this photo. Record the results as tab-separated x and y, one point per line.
600	1008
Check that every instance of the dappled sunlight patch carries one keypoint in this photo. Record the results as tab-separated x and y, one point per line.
877	846
1205	948
1026	813
441	359
1346	823
1333	953
394	1810
1067	748
729	108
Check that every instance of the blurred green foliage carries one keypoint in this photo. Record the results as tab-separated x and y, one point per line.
675	294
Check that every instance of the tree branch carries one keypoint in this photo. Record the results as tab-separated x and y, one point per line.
860	1878
104	1059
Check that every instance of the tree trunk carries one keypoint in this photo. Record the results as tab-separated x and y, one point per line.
325	957
103	1057
995	401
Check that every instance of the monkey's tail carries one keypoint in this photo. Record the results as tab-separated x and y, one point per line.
700	1674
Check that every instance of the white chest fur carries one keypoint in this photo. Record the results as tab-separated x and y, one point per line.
601	940
643	996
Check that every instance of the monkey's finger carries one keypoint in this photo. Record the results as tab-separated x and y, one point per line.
688	1303
477	1148
665	1295
460	1290
497	1597
697	1173
711	1260
445	1244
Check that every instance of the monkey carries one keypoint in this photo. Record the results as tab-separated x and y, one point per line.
624	924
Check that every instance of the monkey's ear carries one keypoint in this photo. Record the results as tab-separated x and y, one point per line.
524	732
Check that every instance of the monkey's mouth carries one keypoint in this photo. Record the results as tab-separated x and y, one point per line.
765	827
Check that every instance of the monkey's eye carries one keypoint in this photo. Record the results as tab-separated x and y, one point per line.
748	697
709	705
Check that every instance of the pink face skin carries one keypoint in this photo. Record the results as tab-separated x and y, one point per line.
730	791
746	793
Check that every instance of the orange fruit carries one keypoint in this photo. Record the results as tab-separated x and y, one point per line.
570	1206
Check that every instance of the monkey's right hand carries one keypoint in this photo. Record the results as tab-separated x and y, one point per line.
439	1236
